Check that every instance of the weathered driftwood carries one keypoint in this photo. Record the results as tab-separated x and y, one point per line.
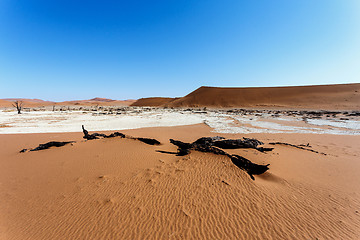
92	136
47	145
248	166
297	146
149	141
207	144
233	143
97	135
115	134
238	143
223	143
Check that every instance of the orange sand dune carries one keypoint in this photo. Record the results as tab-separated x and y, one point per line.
7	102
41	103
341	96
102	99
34	100
97	101
122	189
4	103
153	102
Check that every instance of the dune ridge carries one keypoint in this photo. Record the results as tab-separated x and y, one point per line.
326	97
7	102
97	102
338	96
152	102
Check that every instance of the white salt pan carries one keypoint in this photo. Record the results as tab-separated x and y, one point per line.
221	122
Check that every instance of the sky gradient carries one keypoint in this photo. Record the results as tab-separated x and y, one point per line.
66	50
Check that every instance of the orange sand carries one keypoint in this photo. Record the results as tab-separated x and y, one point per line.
326	97
92	102
340	96
152	101
123	189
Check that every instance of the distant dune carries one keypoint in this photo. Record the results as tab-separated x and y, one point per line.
98	101
7	102
34	100
153	102
340	96
4	103
327	97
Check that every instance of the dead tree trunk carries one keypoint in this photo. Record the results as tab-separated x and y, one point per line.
47	145
213	145
18	105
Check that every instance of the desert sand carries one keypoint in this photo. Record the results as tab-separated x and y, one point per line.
33	103
152	101
97	101
330	97
123	189
325	97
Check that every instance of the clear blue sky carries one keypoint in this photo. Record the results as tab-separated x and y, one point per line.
67	49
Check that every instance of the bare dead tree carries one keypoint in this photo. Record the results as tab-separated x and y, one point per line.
18	105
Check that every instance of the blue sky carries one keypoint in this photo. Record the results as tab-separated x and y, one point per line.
64	50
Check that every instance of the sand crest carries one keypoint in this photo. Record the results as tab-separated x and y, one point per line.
153	101
331	97
36	103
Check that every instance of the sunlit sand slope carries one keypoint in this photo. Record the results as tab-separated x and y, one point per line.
152	102
27	103
341	96
123	189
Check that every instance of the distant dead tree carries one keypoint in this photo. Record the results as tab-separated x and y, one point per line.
18	105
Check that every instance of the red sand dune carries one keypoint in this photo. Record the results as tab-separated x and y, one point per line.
102	99
340	96
35	100
4	103
7	102
153	101
98	101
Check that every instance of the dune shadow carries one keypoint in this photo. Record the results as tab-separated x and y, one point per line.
269	177
167	152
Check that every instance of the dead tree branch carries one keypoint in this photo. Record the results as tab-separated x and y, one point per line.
48	145
296	146
18	105
92	136
212	145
